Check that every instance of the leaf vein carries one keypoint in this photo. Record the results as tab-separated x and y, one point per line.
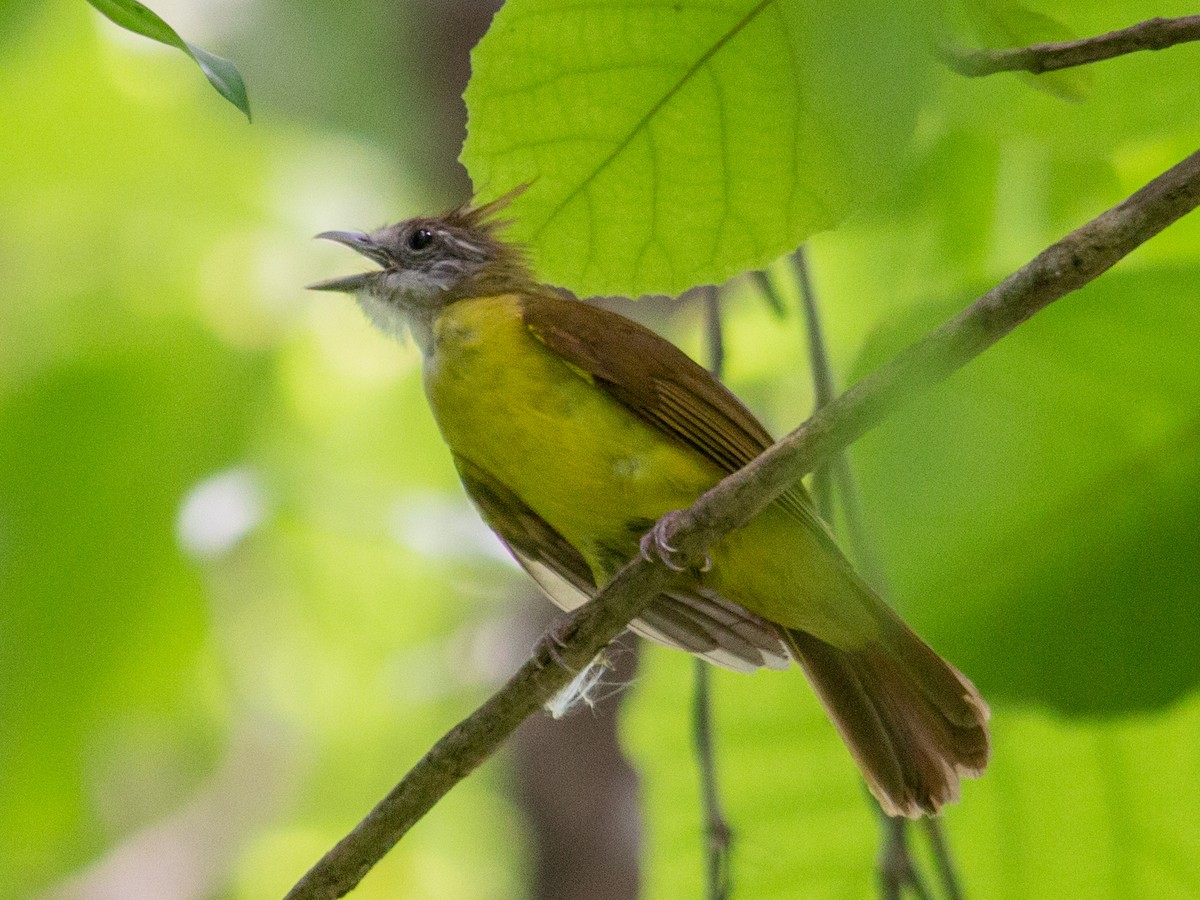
654	110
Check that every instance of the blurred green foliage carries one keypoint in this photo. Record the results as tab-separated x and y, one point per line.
94	455
240	590
255	673
1068	466
1066	809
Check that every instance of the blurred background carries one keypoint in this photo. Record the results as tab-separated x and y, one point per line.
241	591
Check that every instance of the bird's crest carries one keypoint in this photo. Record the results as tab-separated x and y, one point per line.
485	217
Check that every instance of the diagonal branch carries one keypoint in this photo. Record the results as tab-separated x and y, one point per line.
1153	34
1063	267
554	662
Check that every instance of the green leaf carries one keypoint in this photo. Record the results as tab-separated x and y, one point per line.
140	19
674	144
222	75
1038	512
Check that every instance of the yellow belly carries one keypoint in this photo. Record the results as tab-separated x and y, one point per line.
582	461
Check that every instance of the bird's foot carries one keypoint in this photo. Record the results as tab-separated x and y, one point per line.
553	642
656	545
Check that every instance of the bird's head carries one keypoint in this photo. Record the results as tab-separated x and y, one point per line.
426	263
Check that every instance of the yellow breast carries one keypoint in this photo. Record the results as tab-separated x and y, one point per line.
581	460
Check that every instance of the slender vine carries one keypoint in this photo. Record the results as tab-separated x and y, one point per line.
718	835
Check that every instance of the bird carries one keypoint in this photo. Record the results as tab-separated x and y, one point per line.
575	429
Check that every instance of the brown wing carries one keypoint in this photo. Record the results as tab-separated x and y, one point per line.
662	385
656	380
697	621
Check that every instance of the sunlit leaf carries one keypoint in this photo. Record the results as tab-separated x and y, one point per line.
140	19
673	144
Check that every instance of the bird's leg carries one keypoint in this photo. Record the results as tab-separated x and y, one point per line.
656	544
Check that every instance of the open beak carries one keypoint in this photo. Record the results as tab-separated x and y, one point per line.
360	243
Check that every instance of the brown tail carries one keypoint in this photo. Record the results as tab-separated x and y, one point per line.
914	724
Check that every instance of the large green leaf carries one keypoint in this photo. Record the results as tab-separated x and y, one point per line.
1039	511
140	19
671	144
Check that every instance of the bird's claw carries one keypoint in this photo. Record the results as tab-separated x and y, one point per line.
656	545
656	549
553	641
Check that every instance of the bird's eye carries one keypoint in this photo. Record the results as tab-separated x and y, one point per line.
420	239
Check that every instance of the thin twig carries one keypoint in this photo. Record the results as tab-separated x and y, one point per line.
945	860
822	377
759	279
718	835
1153	34
818	355
896	867
896	870
714	331
1062	268
866	554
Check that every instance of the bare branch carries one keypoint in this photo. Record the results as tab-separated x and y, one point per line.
1064	267
1153	34
473	740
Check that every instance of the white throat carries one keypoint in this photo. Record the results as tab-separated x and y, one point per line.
396	319
387	317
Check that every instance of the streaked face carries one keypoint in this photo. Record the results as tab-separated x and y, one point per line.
423	264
